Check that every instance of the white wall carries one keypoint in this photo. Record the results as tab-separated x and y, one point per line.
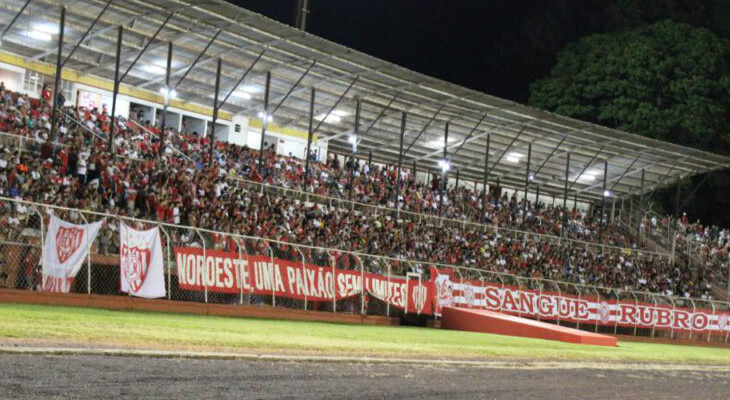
12	77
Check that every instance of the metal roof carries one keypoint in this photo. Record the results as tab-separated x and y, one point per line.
298	61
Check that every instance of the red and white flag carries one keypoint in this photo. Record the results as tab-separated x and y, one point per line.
64	252
140	262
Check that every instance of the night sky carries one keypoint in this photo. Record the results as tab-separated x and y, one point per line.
494	46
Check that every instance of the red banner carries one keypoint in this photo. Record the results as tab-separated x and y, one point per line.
227	272
450	291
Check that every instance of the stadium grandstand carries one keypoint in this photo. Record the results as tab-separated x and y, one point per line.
242	138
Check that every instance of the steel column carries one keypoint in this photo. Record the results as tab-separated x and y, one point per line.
641	199
168	93
603	194
120	33
267	89
215	110
57	84
486	178
565	194
309	139
400	159
456	186
444	170
527	184
676	199
354	146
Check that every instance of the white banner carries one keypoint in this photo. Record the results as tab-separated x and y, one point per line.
64	252
140	262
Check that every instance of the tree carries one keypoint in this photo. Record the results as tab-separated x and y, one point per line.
669	81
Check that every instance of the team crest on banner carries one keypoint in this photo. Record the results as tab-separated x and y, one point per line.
65	250
443	290
68	240
469	295
135	264
722	321
419	296
140	262
604	313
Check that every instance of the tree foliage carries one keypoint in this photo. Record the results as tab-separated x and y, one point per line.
669	81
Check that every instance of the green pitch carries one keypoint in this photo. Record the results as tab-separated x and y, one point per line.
61	326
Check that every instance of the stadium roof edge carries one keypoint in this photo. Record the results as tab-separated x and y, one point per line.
386	91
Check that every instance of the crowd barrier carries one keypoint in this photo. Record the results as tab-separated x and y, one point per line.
201	265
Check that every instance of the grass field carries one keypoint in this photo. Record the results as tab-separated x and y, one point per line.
101	328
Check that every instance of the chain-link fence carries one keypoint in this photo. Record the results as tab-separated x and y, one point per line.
213	267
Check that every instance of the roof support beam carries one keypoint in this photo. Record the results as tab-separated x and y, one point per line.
146	46
294	86
192	66
249	69
86	33
337	103
430	120
12	21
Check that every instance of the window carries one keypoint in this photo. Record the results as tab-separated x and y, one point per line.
33	83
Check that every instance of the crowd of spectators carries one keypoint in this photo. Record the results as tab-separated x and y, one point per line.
181	181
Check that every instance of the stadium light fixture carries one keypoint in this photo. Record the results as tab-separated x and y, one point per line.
171	93
45	27
241	95
606	193
38	35
514	157
532	177
352	139
330	119
445	166
263	116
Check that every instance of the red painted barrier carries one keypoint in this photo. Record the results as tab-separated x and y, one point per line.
463	319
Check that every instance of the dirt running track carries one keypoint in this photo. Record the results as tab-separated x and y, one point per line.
96	377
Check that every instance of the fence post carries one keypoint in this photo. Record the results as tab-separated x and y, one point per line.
88	253
362	284
653	326
694	310
387	303
636	303
43	245
671	332
333	260
169	263
129	291
304	275
205	266
577	289
240	270
598	301
615	321
709	335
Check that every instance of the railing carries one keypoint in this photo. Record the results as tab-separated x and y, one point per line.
436	220
433	220
25	229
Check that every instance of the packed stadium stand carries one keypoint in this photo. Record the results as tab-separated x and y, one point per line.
185	187
234	139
